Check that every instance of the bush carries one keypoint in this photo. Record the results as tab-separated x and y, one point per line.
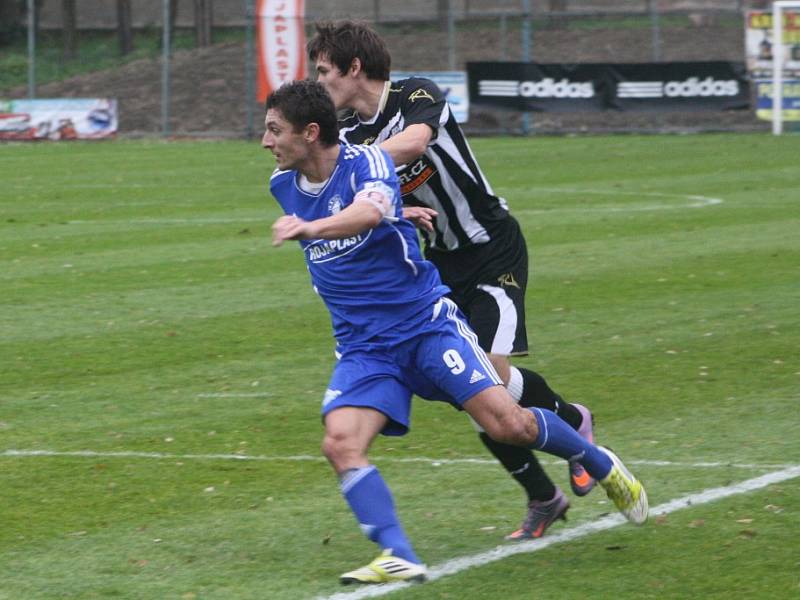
13	69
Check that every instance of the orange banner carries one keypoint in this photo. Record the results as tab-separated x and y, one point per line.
281	44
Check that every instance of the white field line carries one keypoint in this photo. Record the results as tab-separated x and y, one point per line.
463	563
695	201
435	462
192	221
234	395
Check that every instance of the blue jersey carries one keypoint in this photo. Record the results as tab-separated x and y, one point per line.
375	284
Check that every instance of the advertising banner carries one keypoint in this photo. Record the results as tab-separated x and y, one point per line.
58	119
791	99
677	86
535	87
758	42
453	85
281	44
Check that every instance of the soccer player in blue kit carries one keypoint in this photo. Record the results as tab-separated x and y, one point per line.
396	331
469	234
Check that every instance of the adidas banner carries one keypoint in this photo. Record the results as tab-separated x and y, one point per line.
678	86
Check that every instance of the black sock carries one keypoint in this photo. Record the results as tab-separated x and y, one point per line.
536	392
524	467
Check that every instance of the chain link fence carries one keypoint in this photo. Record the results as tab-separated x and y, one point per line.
208	90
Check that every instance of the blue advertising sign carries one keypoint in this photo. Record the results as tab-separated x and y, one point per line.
791	99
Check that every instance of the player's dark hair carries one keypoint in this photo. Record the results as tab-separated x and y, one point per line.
303	102
342	41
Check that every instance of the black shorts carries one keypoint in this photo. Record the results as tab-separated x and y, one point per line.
488	282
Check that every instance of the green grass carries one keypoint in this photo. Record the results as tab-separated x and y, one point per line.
143	310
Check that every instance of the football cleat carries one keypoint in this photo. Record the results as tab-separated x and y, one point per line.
625	490
386	568
540	516
579	479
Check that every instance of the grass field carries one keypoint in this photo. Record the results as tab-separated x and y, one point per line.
162	367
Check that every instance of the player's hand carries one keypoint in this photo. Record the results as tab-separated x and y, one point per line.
289	227
421	216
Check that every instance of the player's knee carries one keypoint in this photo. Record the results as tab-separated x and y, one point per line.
340	449
516	427
500	431
331	447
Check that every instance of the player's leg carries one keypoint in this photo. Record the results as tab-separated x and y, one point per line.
497	315
494	317
496	312
531	390
495	308
357	409
453	361
541	429
547	503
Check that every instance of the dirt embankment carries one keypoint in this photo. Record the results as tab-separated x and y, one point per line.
208	89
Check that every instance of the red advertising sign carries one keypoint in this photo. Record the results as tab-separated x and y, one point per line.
281	44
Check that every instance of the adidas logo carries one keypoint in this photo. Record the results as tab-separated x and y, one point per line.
476	376
330	396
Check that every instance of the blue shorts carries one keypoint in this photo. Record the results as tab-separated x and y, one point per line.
443	361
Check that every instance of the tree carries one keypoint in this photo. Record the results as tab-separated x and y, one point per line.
124	27
69	24
203	11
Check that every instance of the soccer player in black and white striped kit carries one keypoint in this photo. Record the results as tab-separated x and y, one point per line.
468	231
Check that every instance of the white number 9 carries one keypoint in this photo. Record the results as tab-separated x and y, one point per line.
453	360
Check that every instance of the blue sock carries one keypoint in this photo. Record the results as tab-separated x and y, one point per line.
371	502
557	437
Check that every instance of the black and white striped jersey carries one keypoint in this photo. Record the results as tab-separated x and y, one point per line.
446	177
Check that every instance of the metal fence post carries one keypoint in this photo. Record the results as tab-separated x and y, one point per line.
249	69
165	73
451	37
31	49
503	37
526	56
655	28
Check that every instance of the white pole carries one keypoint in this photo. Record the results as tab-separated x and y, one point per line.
777	68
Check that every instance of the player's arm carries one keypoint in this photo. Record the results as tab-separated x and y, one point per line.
370	206
354	219
409	143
